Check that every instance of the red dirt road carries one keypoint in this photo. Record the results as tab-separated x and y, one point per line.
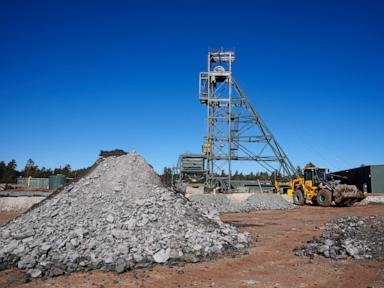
268	263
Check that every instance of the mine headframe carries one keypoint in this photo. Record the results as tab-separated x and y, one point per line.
235	131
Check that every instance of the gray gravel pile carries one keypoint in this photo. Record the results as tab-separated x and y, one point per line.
214	202
116	218
265	201
357	237
256	202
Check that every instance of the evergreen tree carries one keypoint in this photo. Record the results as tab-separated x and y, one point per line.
166	177
66	171
3	169
30	169
299	171
310	164
8	173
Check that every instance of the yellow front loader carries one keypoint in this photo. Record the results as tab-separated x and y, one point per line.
317	187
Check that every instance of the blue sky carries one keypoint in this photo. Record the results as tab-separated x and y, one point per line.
77	77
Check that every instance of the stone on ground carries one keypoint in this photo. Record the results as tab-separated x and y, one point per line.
358	237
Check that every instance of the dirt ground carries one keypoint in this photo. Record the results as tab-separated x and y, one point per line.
268	263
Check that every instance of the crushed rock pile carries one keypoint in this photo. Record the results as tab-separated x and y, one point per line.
116	218
256	202
357	237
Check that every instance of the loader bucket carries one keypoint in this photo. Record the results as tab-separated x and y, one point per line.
347	195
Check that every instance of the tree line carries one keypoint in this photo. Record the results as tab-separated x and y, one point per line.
9	172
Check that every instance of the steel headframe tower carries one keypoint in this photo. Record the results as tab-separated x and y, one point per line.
235	131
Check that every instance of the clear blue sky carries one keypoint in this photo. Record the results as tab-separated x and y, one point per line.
77	77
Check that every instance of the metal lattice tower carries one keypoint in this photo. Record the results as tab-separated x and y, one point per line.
235	131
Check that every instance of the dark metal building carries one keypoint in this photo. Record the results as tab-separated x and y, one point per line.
367	178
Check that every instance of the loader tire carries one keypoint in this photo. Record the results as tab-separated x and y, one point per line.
324	198
298	198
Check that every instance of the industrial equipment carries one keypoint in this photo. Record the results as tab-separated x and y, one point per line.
235	131
189	171
317	186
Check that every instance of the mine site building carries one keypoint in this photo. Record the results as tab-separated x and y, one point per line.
367	178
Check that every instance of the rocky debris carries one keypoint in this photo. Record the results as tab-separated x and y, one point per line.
116	218
372	199
256	202
265	201
356	237
213	202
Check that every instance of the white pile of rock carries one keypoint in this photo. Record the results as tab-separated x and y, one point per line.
118	217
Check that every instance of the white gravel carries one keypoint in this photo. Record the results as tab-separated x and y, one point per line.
118	217
255	202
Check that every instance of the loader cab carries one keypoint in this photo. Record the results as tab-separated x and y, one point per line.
315	175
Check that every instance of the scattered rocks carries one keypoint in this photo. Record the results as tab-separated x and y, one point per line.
110	218
251	282
356	237
118	217
21	235
35	273
121	265
162	255
54	271
45	247
75	242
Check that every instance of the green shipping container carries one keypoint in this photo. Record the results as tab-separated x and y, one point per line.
377	176
56	181
33	182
